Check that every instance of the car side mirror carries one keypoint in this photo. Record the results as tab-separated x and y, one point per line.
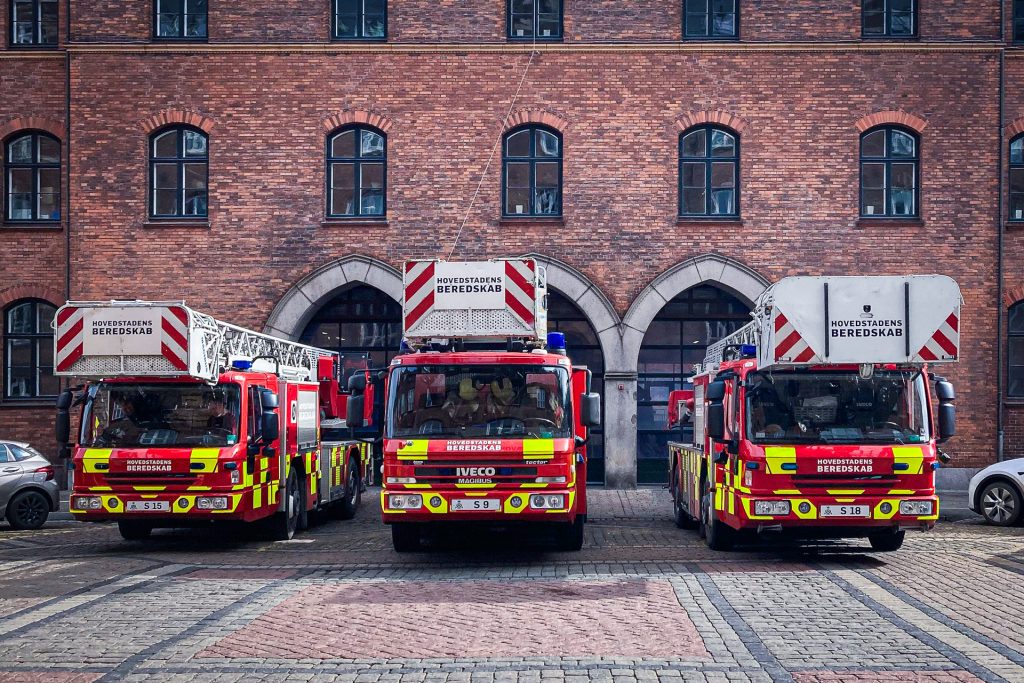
722	457
590	410
63	423
947	422
270	427
716	421
268	399
354	409
357	383
944	390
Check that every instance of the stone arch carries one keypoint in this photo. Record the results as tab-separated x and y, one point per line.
721	271
15	293
353	116
171	117
1014	128
302	300
711	116
896	118
536	116
1013	295
51	126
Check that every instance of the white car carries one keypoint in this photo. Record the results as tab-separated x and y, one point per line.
997	493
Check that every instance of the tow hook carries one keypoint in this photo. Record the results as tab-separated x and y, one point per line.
769	528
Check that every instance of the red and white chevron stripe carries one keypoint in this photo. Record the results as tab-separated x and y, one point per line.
174	345
419	291
69	337
944	343
789	345
519	290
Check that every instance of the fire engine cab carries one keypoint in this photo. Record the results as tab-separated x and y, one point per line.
188	420
817	418
486	416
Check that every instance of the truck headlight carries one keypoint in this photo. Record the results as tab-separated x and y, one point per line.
212	503
87	503
401	480
550	480
552	501
772	508
405	501
916	508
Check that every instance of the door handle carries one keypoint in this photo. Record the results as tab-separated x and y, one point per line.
12	469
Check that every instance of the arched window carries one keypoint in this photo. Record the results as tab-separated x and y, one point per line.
178	172
888	173
32	177
1015	348
532	172
34	23
709	19
180	19
709	160
28	350
360	19
888	18
1016	202
356	172
534	19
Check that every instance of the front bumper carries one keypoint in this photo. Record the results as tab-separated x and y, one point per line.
513	506
177	505
806	511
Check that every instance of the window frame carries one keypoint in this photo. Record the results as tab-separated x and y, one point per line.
1017	21
1010	336
1011	165
709	36
34	338
37	20
888	161
357	162
887	33
182	38
708	161
35	167
532	160
536	19
359	37
181	161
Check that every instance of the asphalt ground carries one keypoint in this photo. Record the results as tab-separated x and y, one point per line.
642	601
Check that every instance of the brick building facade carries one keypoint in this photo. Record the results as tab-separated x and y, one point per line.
261	241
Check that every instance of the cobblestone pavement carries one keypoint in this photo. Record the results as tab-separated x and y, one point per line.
643	601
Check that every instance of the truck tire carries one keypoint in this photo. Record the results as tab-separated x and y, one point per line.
717	534
1000	503
405	537
134	530
887	541
28	510
570	535
349	503
281	526
682	518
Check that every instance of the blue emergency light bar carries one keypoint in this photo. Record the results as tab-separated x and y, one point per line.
748	350
556	341
241	365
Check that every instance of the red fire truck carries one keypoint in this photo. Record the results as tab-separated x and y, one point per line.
816	420
189	420
483	423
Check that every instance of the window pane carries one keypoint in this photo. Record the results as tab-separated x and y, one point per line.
195	176
1015	320
20	180
49	180
1017	151
343	202
517	174
372	176
872	176
663	332
195	25
373	26
696	24
694	201
901	145
346	25
547	25
44	317
165	176
169	25
873	144
905	6
902	24
522	6
694	174
1015	386
165	202
195	6
20	150
19	207
48	22
873	5
347	6
902	203
518	144
171	6
195	144
195	203
723	175
873	202
343	176
549	7
373	6
722	203
49	150
522	25
547	174
697	6
166	145
48	384
547	144
517	201
21	319
1016	206
546	200
19	381
722	144
874	23
49	206
372	144
693	144
724	24
902	176
24	12
343	145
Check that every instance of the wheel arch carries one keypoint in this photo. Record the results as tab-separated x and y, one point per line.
994	477
31	486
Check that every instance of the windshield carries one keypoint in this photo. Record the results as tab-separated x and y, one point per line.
471	401
161	416
820	407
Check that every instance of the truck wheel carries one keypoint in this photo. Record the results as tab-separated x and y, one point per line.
405	537
346	509
28	510
133	530
1000	503
887	541
570	535
282	525
717	535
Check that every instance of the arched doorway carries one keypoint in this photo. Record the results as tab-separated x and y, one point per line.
675	340
584	348
359	320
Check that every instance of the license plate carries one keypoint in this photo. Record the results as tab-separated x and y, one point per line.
845	511
476	505
148	506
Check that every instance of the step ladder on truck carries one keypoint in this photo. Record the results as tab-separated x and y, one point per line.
817	419
487	417
187	420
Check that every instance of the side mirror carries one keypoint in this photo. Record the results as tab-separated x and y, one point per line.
716	421
947	421
63	423
357	383
590	410
268	399
722	457
64	400
354	411
271	427
944	390
716	391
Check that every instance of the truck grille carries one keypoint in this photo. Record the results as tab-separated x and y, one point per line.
457	472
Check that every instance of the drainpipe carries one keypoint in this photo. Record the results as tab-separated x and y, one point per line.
1000	342
67	147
